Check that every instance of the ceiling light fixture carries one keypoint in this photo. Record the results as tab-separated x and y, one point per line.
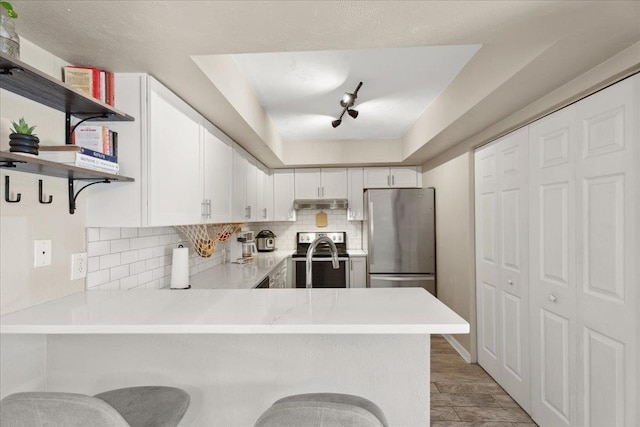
347	101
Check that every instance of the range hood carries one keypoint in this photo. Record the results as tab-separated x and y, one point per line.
320	204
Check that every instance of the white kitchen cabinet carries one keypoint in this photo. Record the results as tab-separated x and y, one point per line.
355	194
501	263
357	272
283	195
167	151
278	276
264	201
325	183
252	188
175	185
393	177
218	164
240	212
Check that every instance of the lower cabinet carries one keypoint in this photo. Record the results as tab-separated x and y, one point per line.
278	277
580	327
358	272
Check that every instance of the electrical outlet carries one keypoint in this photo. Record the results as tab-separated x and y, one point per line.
78	265
41	253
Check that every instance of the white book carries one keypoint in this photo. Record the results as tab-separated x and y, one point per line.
103	86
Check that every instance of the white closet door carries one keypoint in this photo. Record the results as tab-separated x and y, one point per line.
552	269
511	153
607	200
488	261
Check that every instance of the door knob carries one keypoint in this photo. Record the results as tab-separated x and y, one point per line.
552	298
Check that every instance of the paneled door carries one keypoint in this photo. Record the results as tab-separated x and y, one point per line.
502	263
552	264
607	258
513	215
487	261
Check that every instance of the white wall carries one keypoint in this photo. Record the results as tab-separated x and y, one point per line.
21	285
455	262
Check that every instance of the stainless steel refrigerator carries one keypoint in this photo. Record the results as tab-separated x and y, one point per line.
400	229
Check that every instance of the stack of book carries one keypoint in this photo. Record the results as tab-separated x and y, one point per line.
96	138
91	81
94	147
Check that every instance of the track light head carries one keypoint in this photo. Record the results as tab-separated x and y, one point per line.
347	101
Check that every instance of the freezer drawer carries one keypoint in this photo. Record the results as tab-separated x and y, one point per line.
426	281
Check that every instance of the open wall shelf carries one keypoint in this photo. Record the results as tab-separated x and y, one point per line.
24	80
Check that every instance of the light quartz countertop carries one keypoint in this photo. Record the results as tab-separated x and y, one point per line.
238	276
236	311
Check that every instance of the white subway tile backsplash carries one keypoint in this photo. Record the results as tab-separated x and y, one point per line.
97	278
109	233
93	234
145	277
93	264
120	245
98	248
120	272
127	233
128	257
108	261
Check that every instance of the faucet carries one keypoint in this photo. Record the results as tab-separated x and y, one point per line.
311	250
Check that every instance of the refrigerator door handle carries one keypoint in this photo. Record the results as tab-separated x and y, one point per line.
404	278
371	259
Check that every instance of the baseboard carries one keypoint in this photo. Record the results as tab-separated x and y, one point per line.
458	347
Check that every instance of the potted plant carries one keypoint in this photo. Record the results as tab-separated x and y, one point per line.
23	140
9	40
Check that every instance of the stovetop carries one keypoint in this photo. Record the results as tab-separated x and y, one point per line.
304	239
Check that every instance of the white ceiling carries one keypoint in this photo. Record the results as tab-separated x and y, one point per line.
531	51
301	91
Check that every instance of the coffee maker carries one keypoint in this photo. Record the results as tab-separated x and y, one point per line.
243	247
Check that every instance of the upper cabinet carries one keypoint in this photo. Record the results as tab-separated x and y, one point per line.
175	181
218	163
283	195
394	177
326	183
355	211
264	199
180	163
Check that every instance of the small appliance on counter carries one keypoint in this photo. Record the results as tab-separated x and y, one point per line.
243	248
266	241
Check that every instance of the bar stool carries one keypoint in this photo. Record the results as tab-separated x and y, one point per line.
323	410
147	406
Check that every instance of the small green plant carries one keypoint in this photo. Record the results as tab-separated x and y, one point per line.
10	12
22	127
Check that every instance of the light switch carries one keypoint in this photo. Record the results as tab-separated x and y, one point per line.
42	253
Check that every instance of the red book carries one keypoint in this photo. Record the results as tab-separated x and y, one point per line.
110	89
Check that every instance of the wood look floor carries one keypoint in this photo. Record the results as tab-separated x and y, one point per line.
463	394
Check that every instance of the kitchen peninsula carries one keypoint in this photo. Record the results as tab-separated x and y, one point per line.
237	351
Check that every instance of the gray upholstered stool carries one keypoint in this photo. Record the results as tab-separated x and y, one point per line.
151	406
323	410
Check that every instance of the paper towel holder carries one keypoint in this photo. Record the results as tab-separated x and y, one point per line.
180	277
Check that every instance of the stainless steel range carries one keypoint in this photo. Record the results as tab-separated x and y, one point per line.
323	273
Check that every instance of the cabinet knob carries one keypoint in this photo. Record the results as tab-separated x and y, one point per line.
509	281
552	298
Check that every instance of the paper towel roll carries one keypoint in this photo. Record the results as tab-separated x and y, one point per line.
180	268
